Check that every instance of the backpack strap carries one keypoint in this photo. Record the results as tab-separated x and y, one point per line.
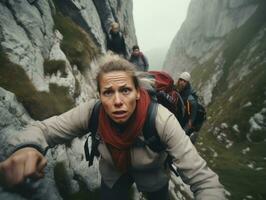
143	59
182	104
95	139
151	136
188	108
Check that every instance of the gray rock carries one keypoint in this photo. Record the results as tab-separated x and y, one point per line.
28	37
12	114
85	15
203	32
13	117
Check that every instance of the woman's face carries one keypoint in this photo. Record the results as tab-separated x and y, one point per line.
118	95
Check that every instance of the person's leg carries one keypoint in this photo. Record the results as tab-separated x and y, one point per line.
120	190
161	194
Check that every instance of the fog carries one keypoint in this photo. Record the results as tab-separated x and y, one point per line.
156	23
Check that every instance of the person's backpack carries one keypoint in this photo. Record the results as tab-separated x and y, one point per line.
201	117
166	94
201	113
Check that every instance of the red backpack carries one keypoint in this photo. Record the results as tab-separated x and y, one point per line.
163	81
166	93
164	86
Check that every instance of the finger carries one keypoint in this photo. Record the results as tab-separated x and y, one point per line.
40	168
14	171
21	164
41	164
31	165
39	175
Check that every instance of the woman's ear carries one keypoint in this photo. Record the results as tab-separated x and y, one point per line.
138	94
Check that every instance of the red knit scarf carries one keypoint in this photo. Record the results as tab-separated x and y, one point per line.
119	143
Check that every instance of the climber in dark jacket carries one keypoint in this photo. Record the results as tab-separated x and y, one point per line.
138	59
115	41
185	90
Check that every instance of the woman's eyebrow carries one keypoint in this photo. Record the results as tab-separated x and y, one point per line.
122	86
107	87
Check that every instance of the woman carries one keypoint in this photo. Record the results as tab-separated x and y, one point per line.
121	118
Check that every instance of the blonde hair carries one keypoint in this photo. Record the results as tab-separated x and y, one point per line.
112	62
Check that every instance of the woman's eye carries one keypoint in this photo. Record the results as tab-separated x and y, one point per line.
126	90
107	93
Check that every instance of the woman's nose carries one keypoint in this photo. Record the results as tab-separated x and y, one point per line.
118	101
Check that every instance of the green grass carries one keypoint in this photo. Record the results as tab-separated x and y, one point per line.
53	66
39	105
203	72
251	88
76	44
231	164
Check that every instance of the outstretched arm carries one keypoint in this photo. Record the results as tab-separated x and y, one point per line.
29	146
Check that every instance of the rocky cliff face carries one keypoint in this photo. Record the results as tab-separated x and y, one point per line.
203	33
47	53
222	44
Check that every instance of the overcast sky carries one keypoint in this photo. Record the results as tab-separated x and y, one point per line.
157	22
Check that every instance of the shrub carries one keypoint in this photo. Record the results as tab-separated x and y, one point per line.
39	105
53	66
77	44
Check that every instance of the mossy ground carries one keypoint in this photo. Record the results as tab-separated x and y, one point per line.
53	66
228	107
40	105
77	44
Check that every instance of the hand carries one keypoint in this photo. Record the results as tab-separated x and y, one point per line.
24	163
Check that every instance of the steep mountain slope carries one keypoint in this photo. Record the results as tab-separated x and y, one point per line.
47	53
225	50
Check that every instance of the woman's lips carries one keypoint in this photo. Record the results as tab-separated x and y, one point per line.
119	114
